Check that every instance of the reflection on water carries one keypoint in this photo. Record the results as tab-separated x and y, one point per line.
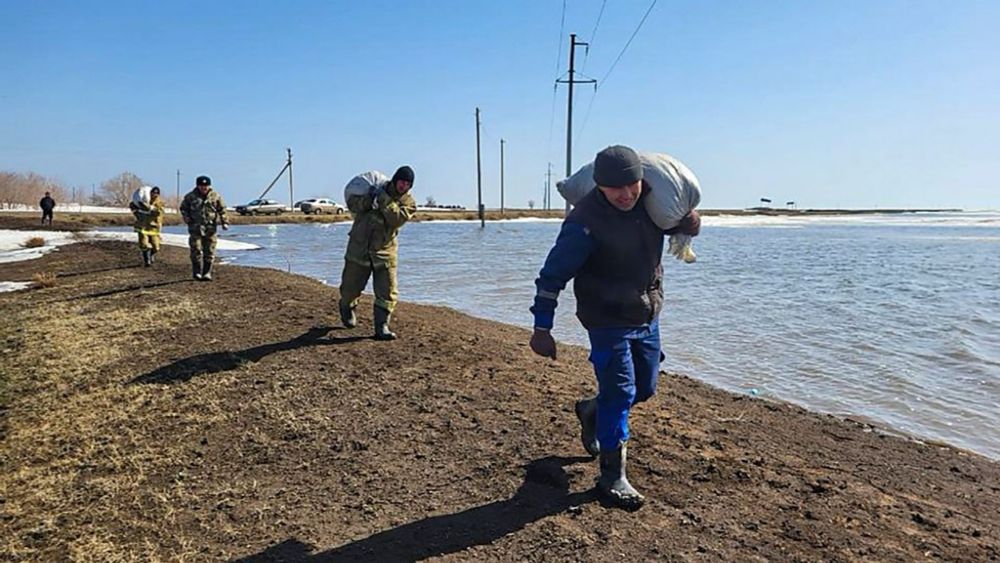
894	319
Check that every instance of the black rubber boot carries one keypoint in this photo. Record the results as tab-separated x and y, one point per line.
347	317
152	256
613	484
382	331
586	411
196	271
206	271
147	261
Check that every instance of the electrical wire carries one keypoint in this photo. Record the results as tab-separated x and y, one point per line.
592	35
629	42
602	81
552	113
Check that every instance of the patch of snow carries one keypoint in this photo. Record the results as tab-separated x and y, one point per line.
13	286
12	242
72	208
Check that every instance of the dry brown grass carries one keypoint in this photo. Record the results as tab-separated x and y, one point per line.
74	452
43	279
33	242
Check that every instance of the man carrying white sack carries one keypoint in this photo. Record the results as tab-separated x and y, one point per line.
612	249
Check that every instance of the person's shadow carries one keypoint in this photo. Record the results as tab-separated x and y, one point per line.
214	362
545	492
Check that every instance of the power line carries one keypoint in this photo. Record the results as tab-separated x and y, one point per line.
586	116
552	113
593	34
629	42
562	28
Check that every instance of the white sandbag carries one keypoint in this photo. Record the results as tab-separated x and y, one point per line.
141	196
363	183
674	189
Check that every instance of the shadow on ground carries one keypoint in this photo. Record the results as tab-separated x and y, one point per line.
214	362
545	492
118	290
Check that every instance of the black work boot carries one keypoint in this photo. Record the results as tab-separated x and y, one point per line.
152	256
206	271
196	270
382	331
347	317
613	484
586	411
147	261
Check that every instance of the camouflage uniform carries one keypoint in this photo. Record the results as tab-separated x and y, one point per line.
372	246
203	215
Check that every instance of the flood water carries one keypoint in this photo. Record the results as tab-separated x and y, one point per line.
893	319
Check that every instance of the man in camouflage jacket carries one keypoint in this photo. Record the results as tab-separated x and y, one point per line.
203	211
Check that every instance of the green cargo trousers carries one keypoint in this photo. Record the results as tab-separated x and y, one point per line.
202	248
355	278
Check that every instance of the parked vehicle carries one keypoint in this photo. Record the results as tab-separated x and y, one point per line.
261	207
320	205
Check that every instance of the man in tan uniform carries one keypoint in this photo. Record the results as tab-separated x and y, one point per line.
148	223
372	248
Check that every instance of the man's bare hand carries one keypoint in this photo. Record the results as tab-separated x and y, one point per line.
543	344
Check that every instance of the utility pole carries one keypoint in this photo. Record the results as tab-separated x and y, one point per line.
569	105
291	190
479	176
178	190
501	176
548	188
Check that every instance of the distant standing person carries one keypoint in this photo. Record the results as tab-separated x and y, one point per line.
148	222
372	248
203	212
47	204
613	251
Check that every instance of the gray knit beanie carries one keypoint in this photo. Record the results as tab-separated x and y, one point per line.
617	166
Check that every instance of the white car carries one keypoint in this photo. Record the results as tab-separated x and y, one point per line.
261	206
320	205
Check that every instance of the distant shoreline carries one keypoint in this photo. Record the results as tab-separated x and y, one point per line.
75	220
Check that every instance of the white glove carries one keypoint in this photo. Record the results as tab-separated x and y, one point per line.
680	248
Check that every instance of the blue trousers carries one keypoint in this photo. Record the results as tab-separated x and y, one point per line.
627	364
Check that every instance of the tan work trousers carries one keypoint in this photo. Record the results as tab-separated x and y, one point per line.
149	242
355	278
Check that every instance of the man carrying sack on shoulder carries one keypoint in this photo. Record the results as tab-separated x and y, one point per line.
613	251
372	247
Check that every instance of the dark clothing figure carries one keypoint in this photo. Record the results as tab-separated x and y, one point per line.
613	251
47	204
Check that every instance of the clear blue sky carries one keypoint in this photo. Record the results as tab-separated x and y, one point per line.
853	103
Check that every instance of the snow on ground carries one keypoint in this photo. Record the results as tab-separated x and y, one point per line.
73	208
13	286
12	242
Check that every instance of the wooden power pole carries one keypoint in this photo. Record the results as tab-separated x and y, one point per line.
501	176
569	105
291	189
479	176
